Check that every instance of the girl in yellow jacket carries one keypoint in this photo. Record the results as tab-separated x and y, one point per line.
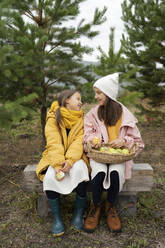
62	167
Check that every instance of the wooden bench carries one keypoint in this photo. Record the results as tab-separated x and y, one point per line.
141	181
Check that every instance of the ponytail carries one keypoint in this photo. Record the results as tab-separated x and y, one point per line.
58	116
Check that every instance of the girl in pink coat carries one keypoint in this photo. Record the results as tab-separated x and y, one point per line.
112	123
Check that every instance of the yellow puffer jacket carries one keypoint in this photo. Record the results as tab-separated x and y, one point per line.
61	147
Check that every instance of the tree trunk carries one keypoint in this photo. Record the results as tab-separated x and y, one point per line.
43	122
43	116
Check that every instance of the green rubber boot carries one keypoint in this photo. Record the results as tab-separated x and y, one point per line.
57	227
77	219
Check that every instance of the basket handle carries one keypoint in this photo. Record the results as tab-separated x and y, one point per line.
134	148
89	147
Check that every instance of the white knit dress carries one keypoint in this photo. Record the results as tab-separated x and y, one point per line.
107	169
77	174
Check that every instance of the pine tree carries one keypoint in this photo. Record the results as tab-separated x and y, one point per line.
144	45
12	112
111	62
40	52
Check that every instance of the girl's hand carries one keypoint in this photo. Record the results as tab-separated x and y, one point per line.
66	166
95	142
95	145
117	143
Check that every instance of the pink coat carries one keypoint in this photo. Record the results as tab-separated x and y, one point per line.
128	130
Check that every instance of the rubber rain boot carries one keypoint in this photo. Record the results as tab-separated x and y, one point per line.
77	219
57	227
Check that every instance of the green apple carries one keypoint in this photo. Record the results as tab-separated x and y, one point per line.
111	150
60	175
125	151
119	150
103	149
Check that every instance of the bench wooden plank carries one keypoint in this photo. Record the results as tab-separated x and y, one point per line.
142	179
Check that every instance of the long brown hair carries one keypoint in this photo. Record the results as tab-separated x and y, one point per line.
63	96
110	113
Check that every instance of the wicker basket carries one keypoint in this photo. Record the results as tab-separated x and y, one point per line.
107	158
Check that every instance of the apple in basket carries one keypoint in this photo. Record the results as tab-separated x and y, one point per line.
104	149
125	151
113	150
96	140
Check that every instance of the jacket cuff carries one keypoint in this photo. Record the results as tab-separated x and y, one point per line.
70	162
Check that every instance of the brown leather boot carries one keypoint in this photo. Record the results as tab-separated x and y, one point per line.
92	220
113	220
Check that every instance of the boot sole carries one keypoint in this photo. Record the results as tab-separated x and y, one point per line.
57	234
75	228
116	231
89	230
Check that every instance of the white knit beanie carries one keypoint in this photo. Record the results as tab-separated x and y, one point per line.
109	85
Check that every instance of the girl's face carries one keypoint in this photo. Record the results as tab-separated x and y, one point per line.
100	96
74	102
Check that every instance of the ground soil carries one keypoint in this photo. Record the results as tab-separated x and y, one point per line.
20	226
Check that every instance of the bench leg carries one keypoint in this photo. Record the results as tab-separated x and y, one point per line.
127	204
42	205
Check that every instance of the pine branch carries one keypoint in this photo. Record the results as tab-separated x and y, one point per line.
29	16
10	26
30	13
47	81
52	49
53	82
